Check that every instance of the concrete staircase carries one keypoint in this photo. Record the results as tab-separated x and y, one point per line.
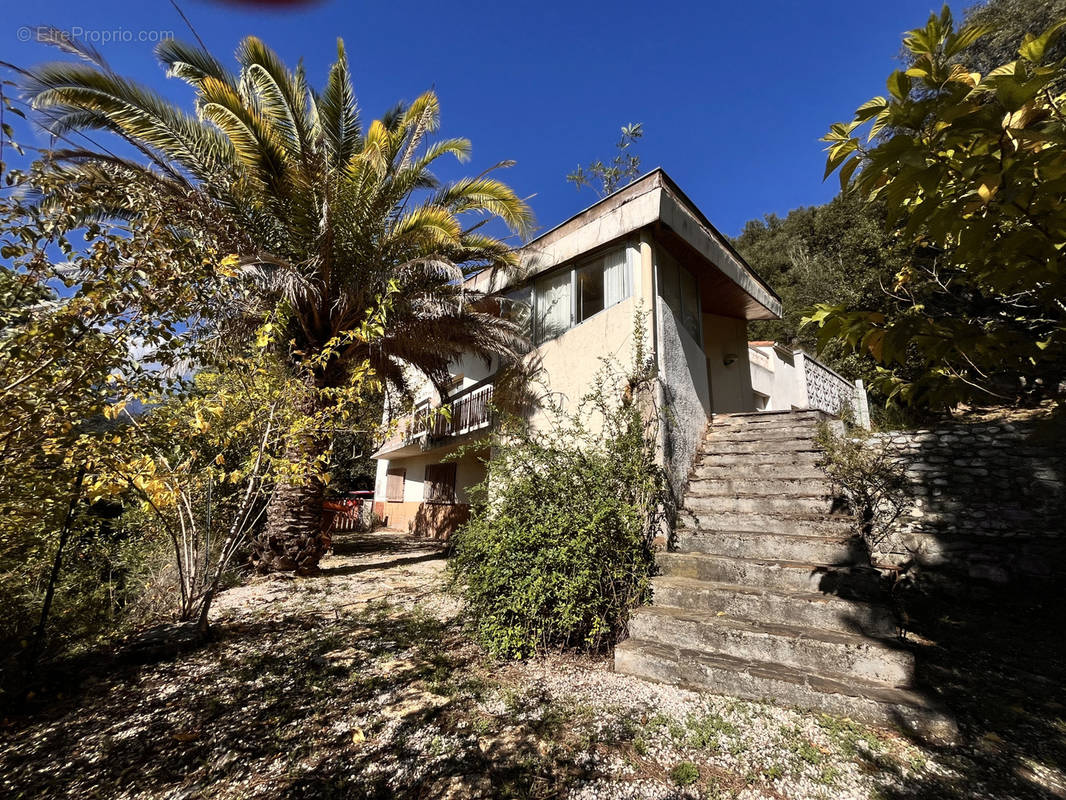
768	593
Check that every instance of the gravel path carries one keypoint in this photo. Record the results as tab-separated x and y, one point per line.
362	682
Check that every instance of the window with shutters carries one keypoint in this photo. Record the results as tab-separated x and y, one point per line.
394	485
440	483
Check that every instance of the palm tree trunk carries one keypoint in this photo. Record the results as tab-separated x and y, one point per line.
292	539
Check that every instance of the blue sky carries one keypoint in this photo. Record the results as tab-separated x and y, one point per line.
733	96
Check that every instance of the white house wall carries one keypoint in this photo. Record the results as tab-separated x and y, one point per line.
469	470
777	378
571	361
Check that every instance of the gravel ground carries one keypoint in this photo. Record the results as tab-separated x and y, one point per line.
362	682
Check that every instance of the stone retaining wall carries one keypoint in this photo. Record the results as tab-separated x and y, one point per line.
985	502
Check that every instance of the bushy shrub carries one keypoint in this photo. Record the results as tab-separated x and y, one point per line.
556	551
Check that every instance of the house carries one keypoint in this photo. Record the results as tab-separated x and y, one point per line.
787	378
646	246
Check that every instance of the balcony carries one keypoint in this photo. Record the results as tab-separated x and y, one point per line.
464	413
467	411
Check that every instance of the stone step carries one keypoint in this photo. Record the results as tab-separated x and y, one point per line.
699	501
855	582
819	650
806	433
798	524
810	609
838	550
726	446
799	458
769	419
751	471
867	701
817	486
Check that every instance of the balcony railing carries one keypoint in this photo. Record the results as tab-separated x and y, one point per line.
468	411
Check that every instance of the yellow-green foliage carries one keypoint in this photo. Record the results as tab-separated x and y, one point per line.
557	550
970	169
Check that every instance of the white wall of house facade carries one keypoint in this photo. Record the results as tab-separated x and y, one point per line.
779	386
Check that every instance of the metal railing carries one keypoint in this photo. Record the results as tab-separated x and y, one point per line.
467	411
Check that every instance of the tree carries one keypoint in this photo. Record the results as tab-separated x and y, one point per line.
84	321
835	253
971	168
624	167
319	219
1006	23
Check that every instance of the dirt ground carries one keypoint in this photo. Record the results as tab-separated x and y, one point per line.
363	682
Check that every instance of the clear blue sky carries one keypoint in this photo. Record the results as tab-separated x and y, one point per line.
733	95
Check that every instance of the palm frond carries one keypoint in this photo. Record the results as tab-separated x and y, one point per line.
75	45
104	101
281	95
337	113
421	117
488	196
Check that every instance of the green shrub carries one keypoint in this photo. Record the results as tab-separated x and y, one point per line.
685	774
557	548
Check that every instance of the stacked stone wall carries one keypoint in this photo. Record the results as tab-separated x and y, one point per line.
985	502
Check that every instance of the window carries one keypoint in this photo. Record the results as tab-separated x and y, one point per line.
571	296
690	304
440	483
680	291
589	292
553	303
394	485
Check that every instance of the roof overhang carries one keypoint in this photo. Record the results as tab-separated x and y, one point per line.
654	201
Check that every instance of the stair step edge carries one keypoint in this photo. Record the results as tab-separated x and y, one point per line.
776	629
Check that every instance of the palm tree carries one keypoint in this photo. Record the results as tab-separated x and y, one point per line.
326	214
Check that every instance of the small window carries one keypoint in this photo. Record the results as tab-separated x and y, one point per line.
395	484
680	291
589	291
690	304
669	287
440	483
617	277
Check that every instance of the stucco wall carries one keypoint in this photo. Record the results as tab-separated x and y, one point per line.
686	396
777	377
730	383
570	362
